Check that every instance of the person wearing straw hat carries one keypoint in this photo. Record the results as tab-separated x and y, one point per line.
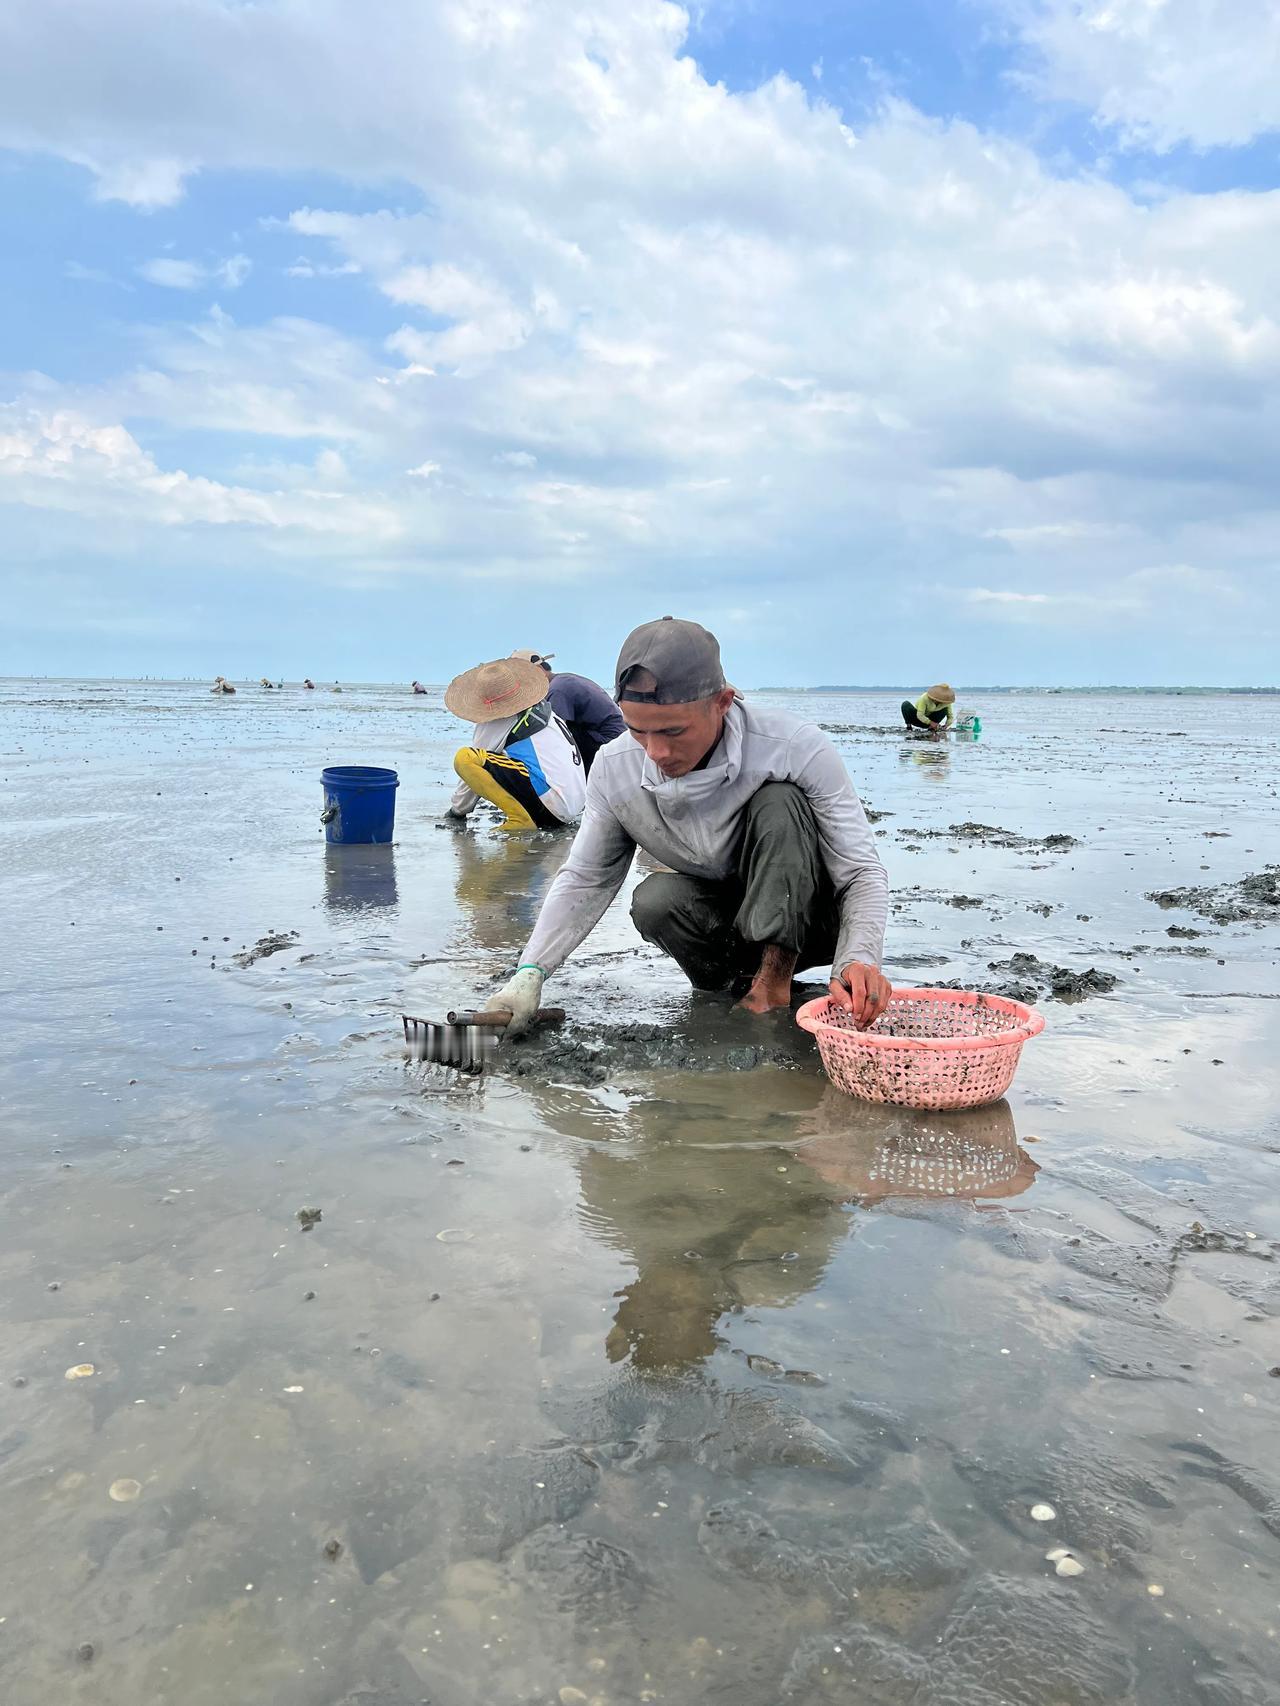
934	709
522	757
592	716
770	864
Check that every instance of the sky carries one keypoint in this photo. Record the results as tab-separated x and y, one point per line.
895	340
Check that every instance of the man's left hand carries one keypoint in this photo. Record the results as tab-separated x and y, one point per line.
863	990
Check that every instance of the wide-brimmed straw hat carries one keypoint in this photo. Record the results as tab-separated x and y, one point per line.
942	694
502	688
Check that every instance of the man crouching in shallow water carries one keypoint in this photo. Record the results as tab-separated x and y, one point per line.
772	865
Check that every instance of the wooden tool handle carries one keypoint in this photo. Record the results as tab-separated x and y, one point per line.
498	1018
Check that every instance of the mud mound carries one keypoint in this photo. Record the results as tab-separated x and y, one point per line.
275	942
1025	978
991	835
1252	900
600	1054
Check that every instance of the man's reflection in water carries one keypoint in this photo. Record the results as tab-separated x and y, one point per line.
715	1228
502	881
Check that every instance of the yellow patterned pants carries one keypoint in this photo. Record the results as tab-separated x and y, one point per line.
505	782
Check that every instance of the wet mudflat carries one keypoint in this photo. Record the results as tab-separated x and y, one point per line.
646	1367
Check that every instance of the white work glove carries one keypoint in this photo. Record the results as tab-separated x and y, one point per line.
523	996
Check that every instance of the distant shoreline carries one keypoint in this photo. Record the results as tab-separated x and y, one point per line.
1100	691
1151	692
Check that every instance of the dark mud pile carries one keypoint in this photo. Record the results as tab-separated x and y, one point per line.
1026	978
990	835
605	1054
962	902
1252	900
274	942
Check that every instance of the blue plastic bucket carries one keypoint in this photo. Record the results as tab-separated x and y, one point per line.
359	803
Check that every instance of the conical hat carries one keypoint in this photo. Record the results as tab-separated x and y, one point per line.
502	688
941	694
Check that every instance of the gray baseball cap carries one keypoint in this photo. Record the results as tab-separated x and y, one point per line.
682	657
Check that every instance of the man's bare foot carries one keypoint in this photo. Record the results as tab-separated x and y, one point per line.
771	986
764	999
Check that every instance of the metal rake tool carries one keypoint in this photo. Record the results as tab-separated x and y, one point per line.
466	1040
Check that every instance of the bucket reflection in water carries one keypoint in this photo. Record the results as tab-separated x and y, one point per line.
360	878
871	1151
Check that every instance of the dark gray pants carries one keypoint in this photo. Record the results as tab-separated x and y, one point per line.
780	896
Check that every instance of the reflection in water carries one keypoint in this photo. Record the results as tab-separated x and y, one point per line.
869	1152
502	882
931	753
360	878
703	1250
712	1227
716	1227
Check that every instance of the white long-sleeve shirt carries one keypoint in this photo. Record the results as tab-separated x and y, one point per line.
694	823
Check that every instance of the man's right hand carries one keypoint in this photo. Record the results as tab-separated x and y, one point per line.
454	820
522	997
864	990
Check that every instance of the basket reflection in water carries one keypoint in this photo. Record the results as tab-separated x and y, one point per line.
931	1048
871	1153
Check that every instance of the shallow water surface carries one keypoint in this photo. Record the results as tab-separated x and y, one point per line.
647	1366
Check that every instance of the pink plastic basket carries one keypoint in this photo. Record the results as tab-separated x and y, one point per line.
930	1048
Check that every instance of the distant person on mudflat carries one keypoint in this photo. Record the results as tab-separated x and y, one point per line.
593	718
522	757
772	867
934	709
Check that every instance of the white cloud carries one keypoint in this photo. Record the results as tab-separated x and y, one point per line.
288	378
1187	581
983	595
1139	597
147	182
485	321
327	471
1162	71
66	461
92	275
1046	535
233	271
175	274
304	268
